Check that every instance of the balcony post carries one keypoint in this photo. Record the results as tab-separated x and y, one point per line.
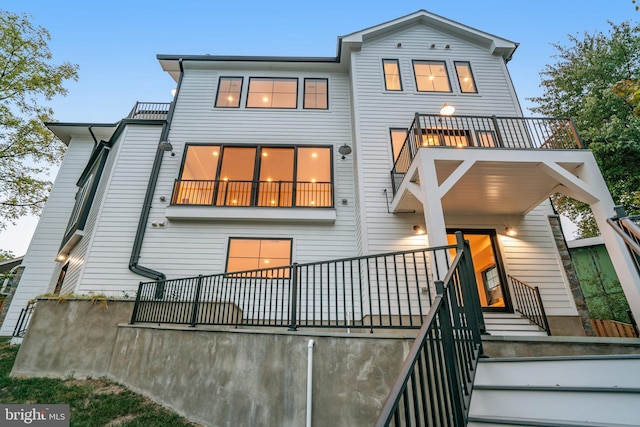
293	295
196	301
500	142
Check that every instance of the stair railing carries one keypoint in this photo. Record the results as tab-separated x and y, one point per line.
628	228
435	381
529	303
23	320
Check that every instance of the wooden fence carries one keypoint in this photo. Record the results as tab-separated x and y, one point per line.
611	328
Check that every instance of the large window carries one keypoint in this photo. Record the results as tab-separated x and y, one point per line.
272	93
391	74
465	77
229	90
431	76
255	176
252	254
316	94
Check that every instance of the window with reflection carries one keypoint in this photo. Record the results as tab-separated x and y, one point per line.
290	176
398	137
229	90
465	77
253	254
445	137
316	94
272	93
431	76
391	70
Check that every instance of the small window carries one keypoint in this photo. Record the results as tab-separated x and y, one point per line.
272	93
229	89
445	137
486	138
398	137
465	77
316	94
253	254
431	76
391	70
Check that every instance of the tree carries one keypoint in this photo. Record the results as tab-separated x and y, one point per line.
28	80
580	85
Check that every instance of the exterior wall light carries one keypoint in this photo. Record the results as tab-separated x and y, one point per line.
344	150
447	109
511	231
419	230
166	146
61	258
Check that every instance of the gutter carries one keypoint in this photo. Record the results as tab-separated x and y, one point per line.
148	198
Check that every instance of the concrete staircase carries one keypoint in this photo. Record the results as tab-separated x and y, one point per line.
511	324
557	391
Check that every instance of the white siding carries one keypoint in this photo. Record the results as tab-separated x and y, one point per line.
39	260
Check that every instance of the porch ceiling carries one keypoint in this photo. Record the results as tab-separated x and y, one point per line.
489	188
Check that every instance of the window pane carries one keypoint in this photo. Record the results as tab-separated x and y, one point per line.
315	93
236	176
276	177
251	254
198	174
486	138
272	93
229	89
313	181
398	136
465	77
391	74
431	76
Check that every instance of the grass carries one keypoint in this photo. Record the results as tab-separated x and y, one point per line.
92	402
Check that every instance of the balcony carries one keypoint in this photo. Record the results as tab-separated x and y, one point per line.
272	194
150	111
491	132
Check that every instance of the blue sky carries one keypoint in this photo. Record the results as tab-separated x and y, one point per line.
115	42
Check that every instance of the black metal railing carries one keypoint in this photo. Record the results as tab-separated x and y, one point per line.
23	320
150	111
434	384
529	303
253	193
628	228
428	130
392	290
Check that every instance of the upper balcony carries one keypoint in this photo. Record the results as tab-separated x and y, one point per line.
492	132
149	111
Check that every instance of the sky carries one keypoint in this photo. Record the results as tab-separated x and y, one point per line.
115	43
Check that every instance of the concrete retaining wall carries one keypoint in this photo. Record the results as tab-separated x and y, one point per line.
217	377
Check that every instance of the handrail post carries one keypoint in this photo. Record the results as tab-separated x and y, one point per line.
196	301
293	295
417	133
470	290
449	352
136	305
494	119
545	321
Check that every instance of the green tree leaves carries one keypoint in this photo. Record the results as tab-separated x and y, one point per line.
27	148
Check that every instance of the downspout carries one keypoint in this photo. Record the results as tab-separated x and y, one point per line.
148	198
309	381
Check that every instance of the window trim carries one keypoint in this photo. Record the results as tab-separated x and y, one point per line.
384	75
215	104
226	264
473	77
446	70
297	80
304	93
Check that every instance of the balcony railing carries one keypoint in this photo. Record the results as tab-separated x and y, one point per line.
429	130
253	193
150	111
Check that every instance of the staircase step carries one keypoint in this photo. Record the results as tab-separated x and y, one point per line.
495	421
596	405
568	371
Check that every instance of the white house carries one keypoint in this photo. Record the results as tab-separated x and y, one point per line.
266	161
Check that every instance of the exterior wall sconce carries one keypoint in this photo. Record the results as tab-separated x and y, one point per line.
418	230
511	231
447	109
166	146
433	45
344	150
61	257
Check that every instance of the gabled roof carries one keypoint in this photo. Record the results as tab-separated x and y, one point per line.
496	45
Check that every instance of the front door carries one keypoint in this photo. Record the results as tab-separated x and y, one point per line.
487	264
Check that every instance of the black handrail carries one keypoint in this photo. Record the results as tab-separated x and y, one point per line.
628	228
23	320
435	381
431	130
529	303
390	290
